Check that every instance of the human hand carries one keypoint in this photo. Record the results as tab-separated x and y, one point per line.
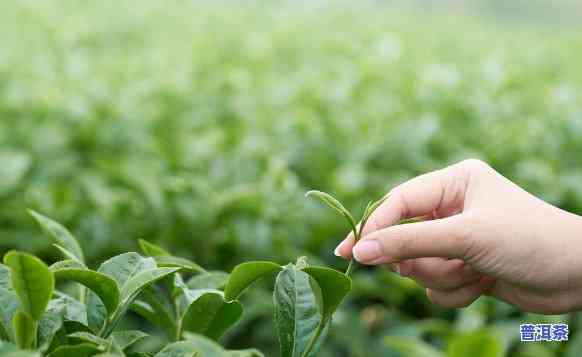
484	235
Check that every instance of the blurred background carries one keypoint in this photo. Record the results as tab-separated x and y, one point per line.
200	125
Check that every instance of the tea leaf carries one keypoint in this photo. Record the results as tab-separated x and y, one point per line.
131	290
209	280
370	208
102	285
296	314
245	353
177	262
335	204
210	315
153	309
71	309
9	304
141	280
125	339
67	264
121	268
59	234
334	287
152	250
49	324
80	350
156	315
32	281
67	254
209	348
100	343
245	274
180	349
5	279
24	330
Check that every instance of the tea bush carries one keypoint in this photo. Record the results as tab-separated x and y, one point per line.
199	126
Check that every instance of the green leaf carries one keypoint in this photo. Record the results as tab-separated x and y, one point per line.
67	254
155	316
80	350
132	288
152	250
243	275
125	266
76	326
296	312
141	280
179	349
121	268
478	344
67	264
102	285
81	337
408	346
209	280
5	279
370	208
24	330
11	350
59	234
177	262
32	281
209	348
210	315
157	311
245	353
50	323
336	205
69	308
125	339
334	287
9	304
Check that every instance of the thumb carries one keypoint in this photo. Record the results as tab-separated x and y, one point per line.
447	237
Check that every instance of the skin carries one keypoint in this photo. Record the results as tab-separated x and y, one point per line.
483	235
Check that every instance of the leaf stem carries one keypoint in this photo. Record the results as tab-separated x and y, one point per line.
351	267
314	338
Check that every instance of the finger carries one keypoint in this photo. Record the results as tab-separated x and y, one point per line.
423	195
344	249
550	303
439	273
441	190
461	297
447	237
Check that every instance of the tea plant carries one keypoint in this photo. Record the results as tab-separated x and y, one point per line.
192	306
38	320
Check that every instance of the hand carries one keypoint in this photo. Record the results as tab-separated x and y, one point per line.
484	235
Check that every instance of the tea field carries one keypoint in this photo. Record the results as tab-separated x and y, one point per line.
201	125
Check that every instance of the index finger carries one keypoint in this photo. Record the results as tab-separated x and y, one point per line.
422	195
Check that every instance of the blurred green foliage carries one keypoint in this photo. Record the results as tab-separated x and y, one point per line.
202	125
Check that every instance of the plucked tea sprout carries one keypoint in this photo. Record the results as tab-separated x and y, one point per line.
357	229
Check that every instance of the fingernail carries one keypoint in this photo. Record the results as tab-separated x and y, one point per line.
367	250
397	268
340	247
